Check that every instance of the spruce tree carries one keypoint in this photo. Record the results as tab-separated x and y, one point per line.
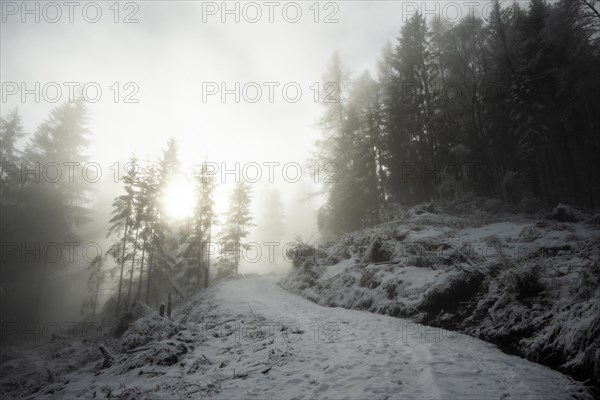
122	221
238	220
52	201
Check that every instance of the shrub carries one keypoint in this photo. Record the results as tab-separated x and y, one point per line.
379	252
302	253
390	288
565	213
524	282
368	280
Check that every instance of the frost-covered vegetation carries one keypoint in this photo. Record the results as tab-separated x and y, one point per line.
526	282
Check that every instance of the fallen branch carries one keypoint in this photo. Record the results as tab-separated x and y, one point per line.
258	367
221	323
152	373
140	349
212	386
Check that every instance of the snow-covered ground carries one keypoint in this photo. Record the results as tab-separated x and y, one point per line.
250	338
529	283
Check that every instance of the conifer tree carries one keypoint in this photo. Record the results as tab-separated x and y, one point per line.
122	221
239	220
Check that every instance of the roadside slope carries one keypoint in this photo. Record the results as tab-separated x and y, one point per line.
528	284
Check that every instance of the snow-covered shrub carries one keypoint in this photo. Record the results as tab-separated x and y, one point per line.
368	280
566	213
588	281
147	329
302	277
393	212
390	289
302	253
450	188
529	234
380	251
135	312
466	204
165	352
455	290
524	282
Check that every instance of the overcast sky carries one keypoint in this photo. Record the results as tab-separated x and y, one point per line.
170	52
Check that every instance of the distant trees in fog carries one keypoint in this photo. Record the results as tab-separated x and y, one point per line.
43	202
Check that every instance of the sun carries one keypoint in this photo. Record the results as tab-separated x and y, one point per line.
179	199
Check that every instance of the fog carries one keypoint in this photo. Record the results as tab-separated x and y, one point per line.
405	194
238	92
159	72
168	55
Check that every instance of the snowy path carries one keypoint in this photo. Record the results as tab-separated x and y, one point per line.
352	354
248	338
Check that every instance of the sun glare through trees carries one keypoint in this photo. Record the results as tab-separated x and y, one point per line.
300	199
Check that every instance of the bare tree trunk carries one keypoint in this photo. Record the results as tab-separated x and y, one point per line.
139	293
169	306
237	257
38	293
149	270
237	243
96	296
132	265
207	269
122	264
199	271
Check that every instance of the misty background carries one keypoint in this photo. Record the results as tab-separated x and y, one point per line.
167	54
163	59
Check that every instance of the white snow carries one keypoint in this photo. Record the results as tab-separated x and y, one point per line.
258	341
338	268
248	338
362	355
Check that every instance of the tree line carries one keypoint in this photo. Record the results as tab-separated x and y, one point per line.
506	108
44	204
156	255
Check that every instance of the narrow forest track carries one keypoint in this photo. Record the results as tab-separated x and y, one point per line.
337	353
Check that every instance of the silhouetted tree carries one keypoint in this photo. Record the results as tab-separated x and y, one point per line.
239	220
198	235
52	193
122	220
